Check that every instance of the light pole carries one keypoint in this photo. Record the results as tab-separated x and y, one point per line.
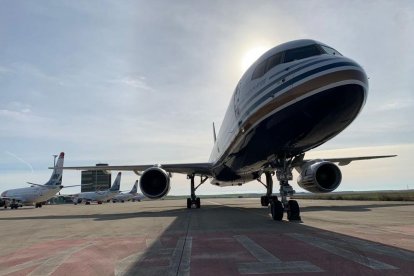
54	160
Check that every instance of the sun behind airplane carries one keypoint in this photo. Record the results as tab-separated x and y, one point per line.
294	98
37	193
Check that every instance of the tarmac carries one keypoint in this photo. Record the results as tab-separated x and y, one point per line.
232	236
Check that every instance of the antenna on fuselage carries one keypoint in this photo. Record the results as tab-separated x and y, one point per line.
214	133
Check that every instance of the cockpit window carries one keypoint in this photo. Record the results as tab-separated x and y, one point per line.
330	51
266	65
286	56
301	53
260	70
273	61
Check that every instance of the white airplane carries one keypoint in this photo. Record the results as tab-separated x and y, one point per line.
99	196
294	98
37	193
131	196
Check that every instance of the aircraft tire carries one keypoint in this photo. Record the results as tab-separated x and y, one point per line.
276	210
263	201
293	212
198	203
188	203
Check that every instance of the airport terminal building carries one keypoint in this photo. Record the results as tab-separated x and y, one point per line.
95	180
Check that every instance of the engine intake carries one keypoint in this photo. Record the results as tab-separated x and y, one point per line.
155	183
319	177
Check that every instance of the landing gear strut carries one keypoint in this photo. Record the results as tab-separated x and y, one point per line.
194	200
277	208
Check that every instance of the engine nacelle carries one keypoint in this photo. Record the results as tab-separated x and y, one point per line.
319	177
155	183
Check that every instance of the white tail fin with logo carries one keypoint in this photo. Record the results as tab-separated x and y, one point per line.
56	178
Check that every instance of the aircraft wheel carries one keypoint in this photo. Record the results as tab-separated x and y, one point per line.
276	209
87	203
198	203
188	203
263	200
293	212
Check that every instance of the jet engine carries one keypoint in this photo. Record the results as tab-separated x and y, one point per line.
319	176
155	183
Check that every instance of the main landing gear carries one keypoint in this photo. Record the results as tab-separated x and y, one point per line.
194	201
277	208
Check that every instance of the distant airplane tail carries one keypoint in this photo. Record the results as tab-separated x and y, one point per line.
134	188
56	178
117	183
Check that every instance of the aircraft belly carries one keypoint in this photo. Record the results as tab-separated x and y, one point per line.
294	129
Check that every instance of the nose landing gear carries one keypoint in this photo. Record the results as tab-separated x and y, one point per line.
277	208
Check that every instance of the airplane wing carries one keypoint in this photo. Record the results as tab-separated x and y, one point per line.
345	161
204	169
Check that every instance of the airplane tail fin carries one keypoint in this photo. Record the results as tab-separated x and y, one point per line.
117	183
56	178
134	188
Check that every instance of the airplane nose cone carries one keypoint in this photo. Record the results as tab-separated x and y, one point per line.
4	193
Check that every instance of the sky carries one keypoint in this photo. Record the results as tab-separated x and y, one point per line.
140	82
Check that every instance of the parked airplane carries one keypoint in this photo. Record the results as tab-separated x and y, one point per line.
295	97
37	193
130	196
99	196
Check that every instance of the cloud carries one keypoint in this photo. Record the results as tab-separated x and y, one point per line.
135	82
5	70
20	160
396	104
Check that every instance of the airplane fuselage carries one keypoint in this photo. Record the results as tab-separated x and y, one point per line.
95	196
32	195
124	197
284	106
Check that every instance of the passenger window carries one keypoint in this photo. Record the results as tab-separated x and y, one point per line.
330	51
273	61
260	70
301	53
